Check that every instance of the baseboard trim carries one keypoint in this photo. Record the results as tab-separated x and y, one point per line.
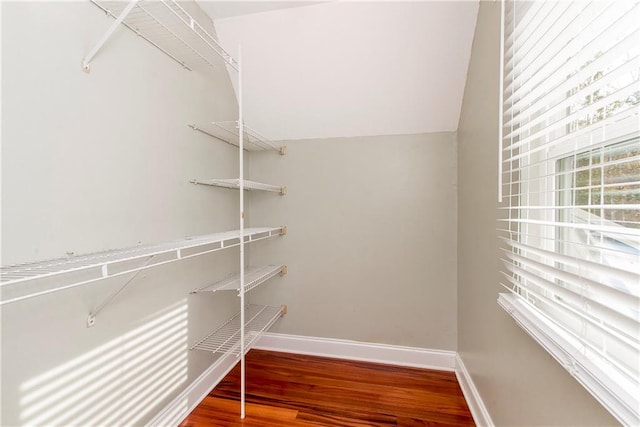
180	407
354	350
479	412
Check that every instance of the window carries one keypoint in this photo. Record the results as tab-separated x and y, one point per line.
570	176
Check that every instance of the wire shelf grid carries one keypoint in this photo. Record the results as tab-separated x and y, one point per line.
228	132
253	277
169	27
226	338
235	184
105	260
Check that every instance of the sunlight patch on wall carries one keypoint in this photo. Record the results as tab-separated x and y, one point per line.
117	382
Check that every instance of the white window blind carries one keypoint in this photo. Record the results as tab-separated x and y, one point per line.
570	183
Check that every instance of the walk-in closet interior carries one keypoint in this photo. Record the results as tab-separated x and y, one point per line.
184	181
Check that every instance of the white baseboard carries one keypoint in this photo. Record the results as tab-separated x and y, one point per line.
355	350
178	409
479	412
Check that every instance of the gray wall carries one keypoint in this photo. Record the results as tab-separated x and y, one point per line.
518	381
102	160
371	247
98	161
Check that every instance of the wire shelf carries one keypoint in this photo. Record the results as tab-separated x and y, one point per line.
102	265
169	27
228	132
253	277
226	338
235	184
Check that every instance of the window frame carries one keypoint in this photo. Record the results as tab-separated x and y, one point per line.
533	189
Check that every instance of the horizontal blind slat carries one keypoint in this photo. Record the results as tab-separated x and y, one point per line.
631	277
620	302
612	98
580	142
617	125
576	66
600	34
545	109
535	41
580	246
607	229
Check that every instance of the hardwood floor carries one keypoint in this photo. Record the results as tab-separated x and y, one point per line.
294	390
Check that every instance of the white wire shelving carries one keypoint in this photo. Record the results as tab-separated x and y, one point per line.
235	184
228	132
167	26
113	263
253	277
226	338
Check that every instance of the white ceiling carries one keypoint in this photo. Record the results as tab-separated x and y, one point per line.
346	69
227	9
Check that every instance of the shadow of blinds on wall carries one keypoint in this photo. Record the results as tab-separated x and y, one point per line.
571	185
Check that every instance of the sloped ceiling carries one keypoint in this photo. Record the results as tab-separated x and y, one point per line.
346	69
226	9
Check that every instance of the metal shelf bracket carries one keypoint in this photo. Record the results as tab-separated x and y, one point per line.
86	61
91	319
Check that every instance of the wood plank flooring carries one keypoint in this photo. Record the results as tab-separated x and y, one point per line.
295	390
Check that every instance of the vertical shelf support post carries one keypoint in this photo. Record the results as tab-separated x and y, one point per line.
241	168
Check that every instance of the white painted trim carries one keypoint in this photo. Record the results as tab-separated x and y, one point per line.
354	350
178	409
479	412
616	394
